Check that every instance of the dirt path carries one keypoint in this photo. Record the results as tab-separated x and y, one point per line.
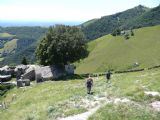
82	116
97	102
93	105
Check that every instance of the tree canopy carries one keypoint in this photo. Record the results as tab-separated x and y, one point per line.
61	45
24	61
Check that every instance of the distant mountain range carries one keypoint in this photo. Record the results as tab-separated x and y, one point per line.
35	23
136	17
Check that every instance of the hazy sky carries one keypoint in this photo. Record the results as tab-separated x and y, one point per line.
65	10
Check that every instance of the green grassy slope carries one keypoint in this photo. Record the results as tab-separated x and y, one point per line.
124	112
116	53
6	35
10	46
48	100
41	101
132	86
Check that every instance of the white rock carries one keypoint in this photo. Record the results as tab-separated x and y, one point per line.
119	100
125	100
156	105
152	93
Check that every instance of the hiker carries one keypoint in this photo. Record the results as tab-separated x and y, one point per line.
108	76
89	84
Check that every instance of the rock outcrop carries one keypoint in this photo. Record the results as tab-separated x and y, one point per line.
6	73
48	73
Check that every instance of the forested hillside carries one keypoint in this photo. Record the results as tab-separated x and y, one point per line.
139	16
20	41
149	18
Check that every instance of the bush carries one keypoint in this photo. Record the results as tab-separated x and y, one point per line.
126	36
132	33
53	112
5	88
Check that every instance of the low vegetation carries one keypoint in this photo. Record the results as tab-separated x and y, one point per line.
4	89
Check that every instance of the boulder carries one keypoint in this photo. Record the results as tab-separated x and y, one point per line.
6	70
25	71
41	73
48	73
26	82
20	83
39	78
19	72
23	82
5	78
30	72
21	67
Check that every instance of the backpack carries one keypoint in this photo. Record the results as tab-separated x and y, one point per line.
89	82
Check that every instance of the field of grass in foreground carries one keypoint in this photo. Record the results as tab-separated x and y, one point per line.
49	100
42	101
117	53
131	86
124	112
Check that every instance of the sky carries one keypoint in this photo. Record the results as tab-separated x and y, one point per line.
65	10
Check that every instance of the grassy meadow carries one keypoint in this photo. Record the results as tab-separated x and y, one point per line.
131	86
124	112
42	101
53	99
117	53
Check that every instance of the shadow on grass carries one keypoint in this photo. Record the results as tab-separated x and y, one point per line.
70	77
91	93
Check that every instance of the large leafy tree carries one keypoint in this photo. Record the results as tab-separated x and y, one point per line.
61	45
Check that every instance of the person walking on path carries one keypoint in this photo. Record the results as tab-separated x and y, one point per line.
89	84
108	76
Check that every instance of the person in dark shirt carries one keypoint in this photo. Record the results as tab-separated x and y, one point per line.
108	76
89	84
